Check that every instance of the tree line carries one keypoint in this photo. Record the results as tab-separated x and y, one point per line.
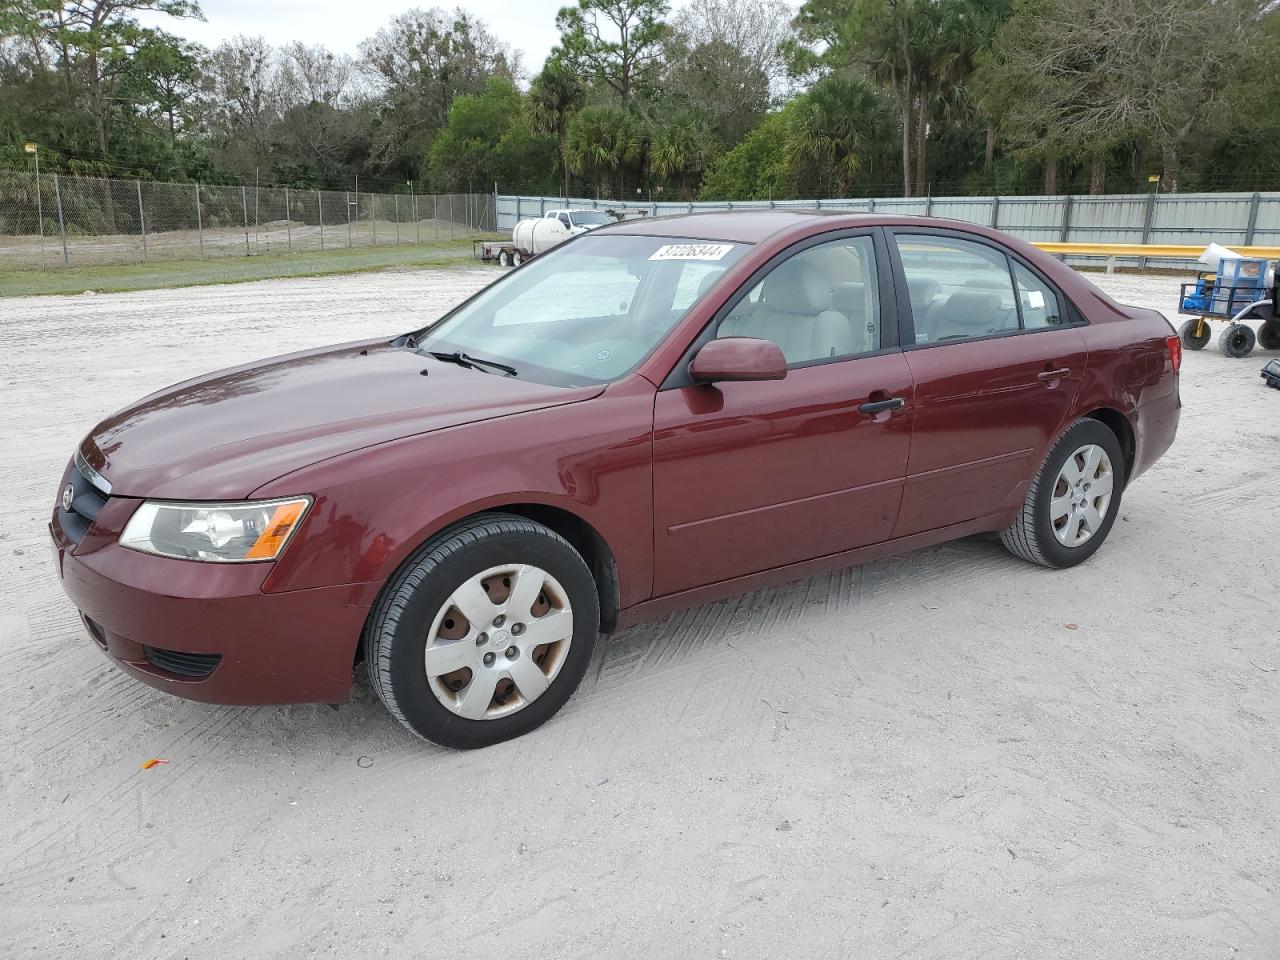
722	99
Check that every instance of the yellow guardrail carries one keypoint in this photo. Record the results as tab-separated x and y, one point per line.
1150	251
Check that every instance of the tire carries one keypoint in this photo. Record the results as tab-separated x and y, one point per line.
517	258
1035	533
1269	335
504	258
418	602
1191	339
1237	340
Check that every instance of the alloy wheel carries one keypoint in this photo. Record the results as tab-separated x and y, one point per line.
1081	495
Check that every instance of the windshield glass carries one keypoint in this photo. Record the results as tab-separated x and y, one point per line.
589	218
587	312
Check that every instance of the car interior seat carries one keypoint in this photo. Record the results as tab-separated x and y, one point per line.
795	312
851	300
966	313
922	291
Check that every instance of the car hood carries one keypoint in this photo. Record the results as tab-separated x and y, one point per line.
223	435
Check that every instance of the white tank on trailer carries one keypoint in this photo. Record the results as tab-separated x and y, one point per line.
538	234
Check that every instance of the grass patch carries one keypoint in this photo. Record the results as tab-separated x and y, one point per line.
156	274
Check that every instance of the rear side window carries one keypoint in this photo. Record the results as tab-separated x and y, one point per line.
958	289
1038	301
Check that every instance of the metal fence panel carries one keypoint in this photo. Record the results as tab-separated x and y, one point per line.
968	209
1200	218
121	221
1267	227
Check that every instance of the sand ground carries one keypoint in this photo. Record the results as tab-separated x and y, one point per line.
951	754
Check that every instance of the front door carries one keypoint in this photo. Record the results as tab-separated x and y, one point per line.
750	476
996	364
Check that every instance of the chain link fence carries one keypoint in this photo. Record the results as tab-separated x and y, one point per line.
57	220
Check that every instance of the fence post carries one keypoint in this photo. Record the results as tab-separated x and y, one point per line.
1253	219
199	219
244	206
451	216
373	215
397	219
1066	219
62	224
142	218
417	224
288	223
349	240
39	203
435	216
995	212
1147	220
320	216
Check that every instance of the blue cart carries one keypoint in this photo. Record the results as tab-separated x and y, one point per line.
1240	289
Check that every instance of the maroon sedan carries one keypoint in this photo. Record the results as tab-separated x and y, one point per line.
652	415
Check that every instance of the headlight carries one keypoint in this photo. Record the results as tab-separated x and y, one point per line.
244	532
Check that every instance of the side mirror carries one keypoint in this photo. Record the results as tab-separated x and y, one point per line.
738	358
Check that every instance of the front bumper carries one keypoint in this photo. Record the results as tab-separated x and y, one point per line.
265	648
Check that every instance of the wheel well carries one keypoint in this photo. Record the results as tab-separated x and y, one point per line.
582	536
1120	426
587	541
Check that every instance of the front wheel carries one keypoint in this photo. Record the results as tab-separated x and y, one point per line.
504	258
1195	333
1237	340
1074	499
484	633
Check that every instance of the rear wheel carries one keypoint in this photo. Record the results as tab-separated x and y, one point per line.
1269	335
1074	499
1195	333
1237	340
504	258
517	258
485	633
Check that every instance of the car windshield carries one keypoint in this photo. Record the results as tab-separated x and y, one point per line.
587	218
586	312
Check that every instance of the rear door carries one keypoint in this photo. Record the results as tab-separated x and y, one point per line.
997	357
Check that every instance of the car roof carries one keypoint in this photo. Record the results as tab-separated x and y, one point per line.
757	225
737	226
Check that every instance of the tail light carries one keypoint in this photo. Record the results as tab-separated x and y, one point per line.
1174	344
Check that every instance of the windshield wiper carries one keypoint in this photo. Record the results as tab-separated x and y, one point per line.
475	363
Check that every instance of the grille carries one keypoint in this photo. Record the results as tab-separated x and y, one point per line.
194	665
86	502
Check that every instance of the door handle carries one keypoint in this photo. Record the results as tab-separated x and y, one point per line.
872	407
1061	373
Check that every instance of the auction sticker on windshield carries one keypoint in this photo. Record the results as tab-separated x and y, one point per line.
692	251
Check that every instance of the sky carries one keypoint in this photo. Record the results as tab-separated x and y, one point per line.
340	25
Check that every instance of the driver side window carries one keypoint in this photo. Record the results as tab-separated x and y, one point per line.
820	304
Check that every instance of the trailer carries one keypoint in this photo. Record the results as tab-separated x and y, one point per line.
536	235
1240	289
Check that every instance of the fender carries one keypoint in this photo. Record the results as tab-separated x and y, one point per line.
554	457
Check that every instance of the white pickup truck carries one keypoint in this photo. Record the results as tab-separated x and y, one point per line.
533	236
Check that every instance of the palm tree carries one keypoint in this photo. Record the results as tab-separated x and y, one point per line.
833	125
601	143
553	97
